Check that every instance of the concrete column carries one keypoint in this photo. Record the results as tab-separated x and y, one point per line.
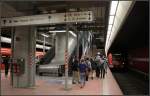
66	62
12	47
60	46
24	47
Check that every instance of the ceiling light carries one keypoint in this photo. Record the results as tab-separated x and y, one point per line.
41	46
5	40
111	19
113	7
45	35
51	28
57	31
8	40
109	27
108	32
72	10
53	11
73	33
98	38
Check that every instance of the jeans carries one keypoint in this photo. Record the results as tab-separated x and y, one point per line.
75	77
82	79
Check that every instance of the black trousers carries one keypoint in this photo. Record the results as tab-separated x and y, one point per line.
97	72
6	69
102	72
87	74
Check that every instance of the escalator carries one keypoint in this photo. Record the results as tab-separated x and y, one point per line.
55	58
53	61
48	56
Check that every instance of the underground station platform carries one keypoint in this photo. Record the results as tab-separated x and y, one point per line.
48	46
55	86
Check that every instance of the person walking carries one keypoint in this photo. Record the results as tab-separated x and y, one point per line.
103	67
75	69
6	66
93	65
97	61
105	64
82	69
87	61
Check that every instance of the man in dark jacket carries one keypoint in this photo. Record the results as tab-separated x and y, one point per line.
98	63
93	65
82	68
75	69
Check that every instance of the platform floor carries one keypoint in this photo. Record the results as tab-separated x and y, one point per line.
53	86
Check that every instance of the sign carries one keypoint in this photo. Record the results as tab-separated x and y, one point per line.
57	18
79	16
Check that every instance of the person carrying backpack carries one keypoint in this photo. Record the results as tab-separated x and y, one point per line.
82	70
103	67
97	61
93	65
88	68
75	69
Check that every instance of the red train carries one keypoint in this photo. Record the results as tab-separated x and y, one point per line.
116	61
6	52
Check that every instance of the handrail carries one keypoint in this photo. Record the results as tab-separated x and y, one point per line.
48	56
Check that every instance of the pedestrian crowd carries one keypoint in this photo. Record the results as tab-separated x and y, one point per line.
87	68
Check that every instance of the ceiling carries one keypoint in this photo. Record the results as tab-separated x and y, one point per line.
100	10
135	31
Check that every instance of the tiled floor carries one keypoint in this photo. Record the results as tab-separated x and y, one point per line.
46	86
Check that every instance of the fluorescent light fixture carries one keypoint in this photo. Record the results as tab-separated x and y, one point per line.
41	46
111	19
56	31
51	28
108	32
99	38
109	27
113	7
45	35
71	32
72	10
5	40
8	40
53	11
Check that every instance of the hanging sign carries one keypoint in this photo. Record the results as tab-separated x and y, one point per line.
73	17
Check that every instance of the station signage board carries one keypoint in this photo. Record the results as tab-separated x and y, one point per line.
44	19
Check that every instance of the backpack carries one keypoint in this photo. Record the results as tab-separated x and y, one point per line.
88	64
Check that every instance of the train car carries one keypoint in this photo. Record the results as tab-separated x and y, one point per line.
6	53
116	61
